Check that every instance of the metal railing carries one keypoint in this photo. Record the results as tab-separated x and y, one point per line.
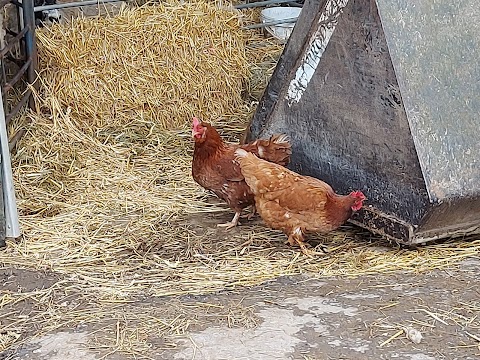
22	39
18	50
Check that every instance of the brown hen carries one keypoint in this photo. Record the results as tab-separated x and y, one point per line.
294	203
214	166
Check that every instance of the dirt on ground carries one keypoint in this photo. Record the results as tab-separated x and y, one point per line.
426	316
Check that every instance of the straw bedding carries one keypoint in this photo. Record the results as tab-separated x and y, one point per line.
103	180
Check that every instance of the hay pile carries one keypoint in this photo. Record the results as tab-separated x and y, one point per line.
162	63
103	175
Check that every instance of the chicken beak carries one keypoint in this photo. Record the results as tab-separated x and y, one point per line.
195	133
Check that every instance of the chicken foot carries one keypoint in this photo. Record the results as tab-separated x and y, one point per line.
233	223
251	214
296	238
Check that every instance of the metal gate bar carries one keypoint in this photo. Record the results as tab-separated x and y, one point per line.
25	39
74	4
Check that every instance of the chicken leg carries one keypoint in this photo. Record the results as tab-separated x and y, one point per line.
296	238
251	214
233	223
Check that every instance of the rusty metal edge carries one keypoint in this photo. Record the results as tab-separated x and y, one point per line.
367	218
462	230
389	226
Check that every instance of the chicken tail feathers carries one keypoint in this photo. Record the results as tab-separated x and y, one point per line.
277	149
280	139
240	153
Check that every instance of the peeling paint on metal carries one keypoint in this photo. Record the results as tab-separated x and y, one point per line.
318	43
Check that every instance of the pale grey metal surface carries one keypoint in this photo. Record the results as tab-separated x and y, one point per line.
435	48
12	226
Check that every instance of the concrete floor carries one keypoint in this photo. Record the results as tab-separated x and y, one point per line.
308	318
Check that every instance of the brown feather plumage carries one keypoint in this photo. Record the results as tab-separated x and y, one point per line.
294	203
215	168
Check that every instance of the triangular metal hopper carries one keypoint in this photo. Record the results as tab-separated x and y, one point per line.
384	96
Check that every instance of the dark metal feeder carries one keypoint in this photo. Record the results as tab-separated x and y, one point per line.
384	96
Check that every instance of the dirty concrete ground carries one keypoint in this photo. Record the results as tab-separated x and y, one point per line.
295	318
300	317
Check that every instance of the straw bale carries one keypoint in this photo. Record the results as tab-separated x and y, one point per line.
163	63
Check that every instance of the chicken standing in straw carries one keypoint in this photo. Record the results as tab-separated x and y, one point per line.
214	166
294	203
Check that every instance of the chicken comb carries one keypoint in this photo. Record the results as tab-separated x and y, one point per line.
358	194
196	122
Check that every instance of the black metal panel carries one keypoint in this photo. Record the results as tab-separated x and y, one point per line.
336	93
297	41
349	127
